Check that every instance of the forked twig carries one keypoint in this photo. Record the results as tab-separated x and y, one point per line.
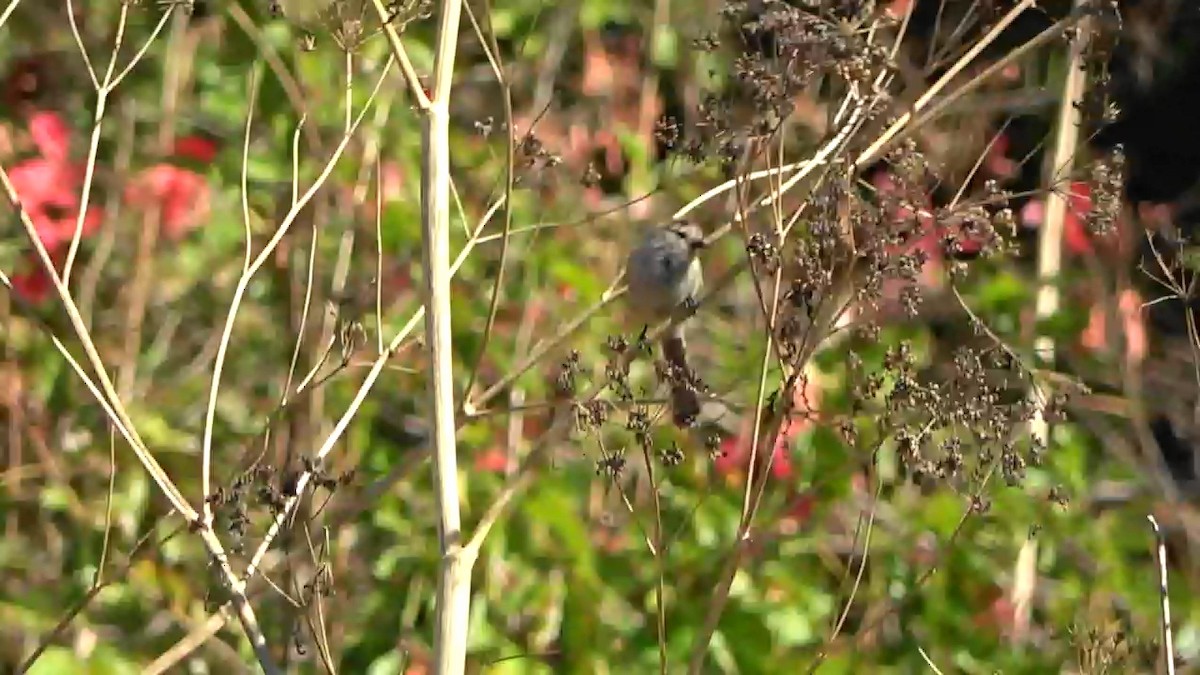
244	284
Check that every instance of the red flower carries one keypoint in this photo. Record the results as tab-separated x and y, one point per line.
730	456
182	196
1079	205
735	454
34	284
1076	237
735	450
1129	307
48	186
51	135
1000	614
196	148
801	507
493	460
928	234
925	238
997	163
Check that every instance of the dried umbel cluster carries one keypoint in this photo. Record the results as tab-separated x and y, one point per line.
849	246
1107	187
780	50
868	253
854	250
1105	647
265	487
348	22
862	253
954	429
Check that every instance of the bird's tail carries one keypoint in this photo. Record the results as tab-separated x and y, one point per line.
685	401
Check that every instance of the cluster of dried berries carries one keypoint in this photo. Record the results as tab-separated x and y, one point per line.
533	156
1108	648
230	505
565	383
611	465
1107	188
616	370
935	421
591	415
321	477
350	23
675	375
780	50
667	132
638	423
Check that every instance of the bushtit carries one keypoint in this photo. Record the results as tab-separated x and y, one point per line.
663	274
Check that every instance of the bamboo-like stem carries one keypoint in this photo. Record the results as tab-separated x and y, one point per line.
454	580
454	575
1050	238
1066	145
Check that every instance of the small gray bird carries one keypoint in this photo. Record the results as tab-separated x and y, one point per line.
663	274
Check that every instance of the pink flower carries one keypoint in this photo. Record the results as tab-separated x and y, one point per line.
51	135
1076	237
997	163
735	456
1129	307
48	186
735	451
180	194
492	460
898	8
47	190
1079	205
801	507
925	238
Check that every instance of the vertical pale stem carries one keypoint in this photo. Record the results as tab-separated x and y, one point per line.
454	576
1050	238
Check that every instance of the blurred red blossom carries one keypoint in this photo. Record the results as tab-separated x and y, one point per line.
800	508
929	234
492	460
181	194
735	450
1076	237
50	134
33	284
1133	327
735	453
393	187
48	185
197	148
998	615
997	163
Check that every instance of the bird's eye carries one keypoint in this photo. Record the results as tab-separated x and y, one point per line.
693	238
